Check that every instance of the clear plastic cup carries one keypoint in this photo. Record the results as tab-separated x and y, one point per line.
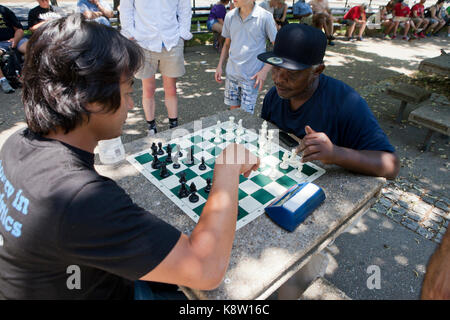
111	151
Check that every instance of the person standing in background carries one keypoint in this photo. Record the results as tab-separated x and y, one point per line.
160	27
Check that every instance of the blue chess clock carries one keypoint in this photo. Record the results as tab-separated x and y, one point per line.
295	205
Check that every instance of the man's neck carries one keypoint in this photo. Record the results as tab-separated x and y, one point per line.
297	101
244	11
77	138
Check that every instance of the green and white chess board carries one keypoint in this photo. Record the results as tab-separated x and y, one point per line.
255	192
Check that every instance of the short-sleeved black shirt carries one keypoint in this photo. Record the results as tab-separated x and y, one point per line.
38	14
57	212
8	21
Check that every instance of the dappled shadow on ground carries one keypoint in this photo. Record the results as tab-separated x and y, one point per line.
391	248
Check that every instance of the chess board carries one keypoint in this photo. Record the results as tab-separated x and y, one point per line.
255	192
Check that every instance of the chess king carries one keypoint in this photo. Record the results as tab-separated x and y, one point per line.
335	124
77	85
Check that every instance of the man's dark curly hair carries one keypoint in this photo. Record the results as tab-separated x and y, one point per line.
69	63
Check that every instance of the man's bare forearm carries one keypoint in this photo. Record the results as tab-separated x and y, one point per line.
374	163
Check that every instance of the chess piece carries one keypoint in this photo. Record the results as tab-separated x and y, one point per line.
208	185
154	149
183	192
240	129
176	164
231	124
156	163
193	197
272	173
292	160
164	173
169	148
190	157
182	177
169	155
202	165
299	170
217	138
285	161
178	150
160	150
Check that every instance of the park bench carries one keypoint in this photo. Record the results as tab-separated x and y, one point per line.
407	93
433	115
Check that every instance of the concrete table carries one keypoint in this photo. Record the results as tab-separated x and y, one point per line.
264	255
438	65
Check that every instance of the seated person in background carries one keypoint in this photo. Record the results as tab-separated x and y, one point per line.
215	20
301	10
335	123
401	15
279	13
43	12
390	7
355	16
69	215
385	20
11	36
322	18
418	17
447	19
98	10
434	14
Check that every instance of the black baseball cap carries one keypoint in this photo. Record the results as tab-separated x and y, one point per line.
297	47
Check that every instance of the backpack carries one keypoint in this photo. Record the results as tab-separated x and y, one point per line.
11	65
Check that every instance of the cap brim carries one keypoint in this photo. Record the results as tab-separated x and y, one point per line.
273	59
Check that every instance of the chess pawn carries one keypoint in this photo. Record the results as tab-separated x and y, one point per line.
183	192
154	149
164	173
160	151
156	163
208	185
231	124
202	165
217	138
285	161
193	197
299	170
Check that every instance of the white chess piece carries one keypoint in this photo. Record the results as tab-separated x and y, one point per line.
299	170
285	161
272	173
292	160
264	124
269	141
231	123
217	138
240	129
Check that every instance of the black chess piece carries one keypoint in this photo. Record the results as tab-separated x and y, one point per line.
208	185
202	165
193	197
183	192
164	173
169	148
182	177
169	156
156	163
191	155
154	149
160	150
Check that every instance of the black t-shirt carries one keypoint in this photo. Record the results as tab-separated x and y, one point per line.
58	214
335	109
8	21
39	14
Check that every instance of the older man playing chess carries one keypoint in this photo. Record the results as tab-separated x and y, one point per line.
335	124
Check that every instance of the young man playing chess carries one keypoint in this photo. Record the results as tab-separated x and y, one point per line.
65	231
335	124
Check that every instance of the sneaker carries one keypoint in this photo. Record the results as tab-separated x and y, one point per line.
331	38
173	124
349	38
330	43
386	36
393	37
6	87
359	38
415	35
421	35
405	38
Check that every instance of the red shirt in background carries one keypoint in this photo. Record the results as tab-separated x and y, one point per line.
354	13
401	11
419	8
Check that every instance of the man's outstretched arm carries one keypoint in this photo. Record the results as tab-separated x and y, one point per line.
317	146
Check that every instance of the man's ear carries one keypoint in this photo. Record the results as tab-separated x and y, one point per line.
93	107
319	69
